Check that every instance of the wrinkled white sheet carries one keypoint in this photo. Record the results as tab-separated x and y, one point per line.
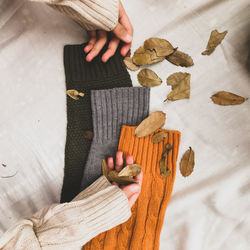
209	209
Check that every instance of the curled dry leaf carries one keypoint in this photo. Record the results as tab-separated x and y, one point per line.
105	169
121	180
227	98
214	40
161	46
153	122
144	57
148	78
130	170
88	134
180	59
187	162
4	165
129	64
158	137
74	94
180	83
163	170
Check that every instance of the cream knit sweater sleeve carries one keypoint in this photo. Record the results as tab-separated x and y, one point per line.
90	14
98	208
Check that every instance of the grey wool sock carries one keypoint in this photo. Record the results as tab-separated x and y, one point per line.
112	108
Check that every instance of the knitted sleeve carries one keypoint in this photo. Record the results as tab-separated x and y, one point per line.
90	14
98	208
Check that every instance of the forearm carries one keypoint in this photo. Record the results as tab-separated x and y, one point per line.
90	14
70	225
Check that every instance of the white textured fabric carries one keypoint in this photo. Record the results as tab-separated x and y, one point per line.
90	14
98	208
209	210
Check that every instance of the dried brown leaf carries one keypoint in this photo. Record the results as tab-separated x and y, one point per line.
187	162
144	57
163	170
88	134
180	83
214	40
130	170
153	122
180	59
121	180
161	46
168	148
148	78
74	94
4	165
129	64
105	169
158	137
227	98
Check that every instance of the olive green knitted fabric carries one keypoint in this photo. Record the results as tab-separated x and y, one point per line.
84	76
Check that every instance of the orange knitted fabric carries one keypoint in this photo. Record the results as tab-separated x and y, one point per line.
142	230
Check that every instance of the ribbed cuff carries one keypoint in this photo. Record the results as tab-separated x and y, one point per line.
92	74
101	183
113	108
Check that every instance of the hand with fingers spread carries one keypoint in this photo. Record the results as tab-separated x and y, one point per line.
132	191
123	32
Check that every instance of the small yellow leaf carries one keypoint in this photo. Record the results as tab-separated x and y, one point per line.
74	94
130	170
161	46
158	137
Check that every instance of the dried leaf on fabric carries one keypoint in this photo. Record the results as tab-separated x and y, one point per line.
163	170
148	78
161	46
187	162
180	58
4	165
144	57
226	98
129	64
74	94
168	148
214	40
130	170
153	122
88	134
180	83
121	180
158	137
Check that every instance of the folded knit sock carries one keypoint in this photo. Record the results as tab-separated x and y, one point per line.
111	109
84	76
142	230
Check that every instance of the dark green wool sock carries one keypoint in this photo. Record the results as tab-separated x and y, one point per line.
84	76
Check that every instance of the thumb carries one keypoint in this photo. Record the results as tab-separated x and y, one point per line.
122	33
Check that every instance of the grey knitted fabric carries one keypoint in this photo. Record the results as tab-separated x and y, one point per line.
111	109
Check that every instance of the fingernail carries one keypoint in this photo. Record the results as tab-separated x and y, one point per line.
128	38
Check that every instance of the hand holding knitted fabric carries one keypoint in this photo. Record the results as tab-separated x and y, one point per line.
98	38
132	191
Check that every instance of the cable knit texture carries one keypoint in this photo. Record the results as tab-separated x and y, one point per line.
111	109
70	225
142	230
85	76
90	14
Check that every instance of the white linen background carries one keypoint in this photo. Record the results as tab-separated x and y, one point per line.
210	208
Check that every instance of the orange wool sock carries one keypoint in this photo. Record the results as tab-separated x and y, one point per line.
142	230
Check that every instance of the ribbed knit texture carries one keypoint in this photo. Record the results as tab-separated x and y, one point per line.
111	109
142	230
70	225
91	15
84	76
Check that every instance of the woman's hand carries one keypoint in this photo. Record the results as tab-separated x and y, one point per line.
122	32
132	191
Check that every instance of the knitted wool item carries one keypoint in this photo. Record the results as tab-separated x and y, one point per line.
84	76
142	230
111	109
